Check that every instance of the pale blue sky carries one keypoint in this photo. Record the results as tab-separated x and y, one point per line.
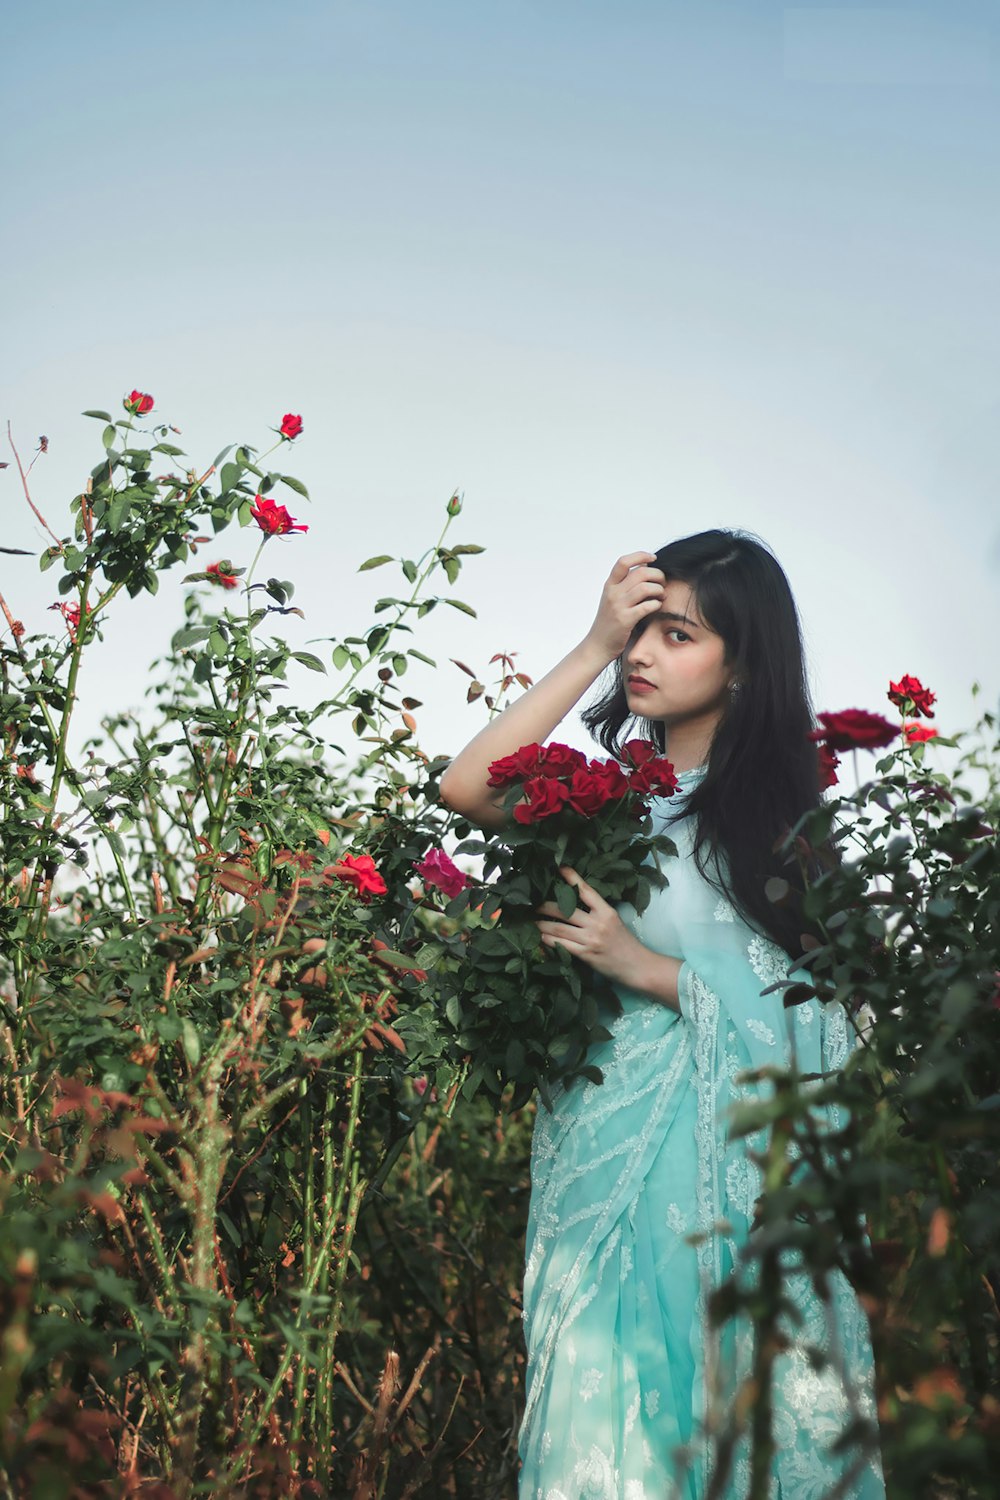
618	271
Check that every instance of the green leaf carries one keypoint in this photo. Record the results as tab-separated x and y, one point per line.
308	660
190	1041
375	562
102	416
429	660
340	657
230	476
168	449
466	609
294	484
566	899
108	436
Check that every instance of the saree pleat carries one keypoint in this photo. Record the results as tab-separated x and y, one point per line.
640	1202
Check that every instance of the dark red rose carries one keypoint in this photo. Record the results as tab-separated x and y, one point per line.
827	767
917	734
639	752
138	403
612	778
291	426
911	696
654	779
587	793
215	572
854	729
272	519
561	760
525	762
546	797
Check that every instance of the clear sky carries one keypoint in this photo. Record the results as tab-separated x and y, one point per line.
619	271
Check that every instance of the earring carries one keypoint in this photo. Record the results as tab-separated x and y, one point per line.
735	689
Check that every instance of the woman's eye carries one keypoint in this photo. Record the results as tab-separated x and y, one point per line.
681	635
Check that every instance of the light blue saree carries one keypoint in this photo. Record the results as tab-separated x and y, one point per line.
621	1361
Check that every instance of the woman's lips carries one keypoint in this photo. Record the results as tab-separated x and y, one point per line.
640	685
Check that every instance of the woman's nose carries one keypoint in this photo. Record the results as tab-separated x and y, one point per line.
634	651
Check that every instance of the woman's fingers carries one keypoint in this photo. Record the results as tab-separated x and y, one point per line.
551	909
586	891
630	560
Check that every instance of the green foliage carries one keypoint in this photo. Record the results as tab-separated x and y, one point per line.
202	1073
888	1171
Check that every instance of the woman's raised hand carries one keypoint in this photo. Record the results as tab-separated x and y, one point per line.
633	591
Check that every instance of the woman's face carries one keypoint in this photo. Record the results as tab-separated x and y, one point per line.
681	659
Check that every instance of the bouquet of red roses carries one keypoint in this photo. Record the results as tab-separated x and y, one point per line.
524	1013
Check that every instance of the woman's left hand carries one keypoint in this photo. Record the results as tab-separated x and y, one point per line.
594	932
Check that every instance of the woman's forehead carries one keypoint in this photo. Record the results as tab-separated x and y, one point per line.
681	601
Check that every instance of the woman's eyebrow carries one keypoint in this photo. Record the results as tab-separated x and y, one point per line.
666	614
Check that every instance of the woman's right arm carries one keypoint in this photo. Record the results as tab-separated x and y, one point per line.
632	591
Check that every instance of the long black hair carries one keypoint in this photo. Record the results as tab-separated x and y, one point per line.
762	772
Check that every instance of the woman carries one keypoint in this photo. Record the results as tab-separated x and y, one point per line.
704	644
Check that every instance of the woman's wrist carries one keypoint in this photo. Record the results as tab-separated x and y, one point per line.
656	975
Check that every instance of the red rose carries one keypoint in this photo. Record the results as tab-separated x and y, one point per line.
545	796
587	793
611	777
654	779
827	767
274	520
360	871
910	691
438	870
525	762
138	403
917	734
561	760
854	729
71	614
228	580
639	752
291	426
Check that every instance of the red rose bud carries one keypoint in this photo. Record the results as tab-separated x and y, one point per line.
272	519
227	580
455	504
854	729
919	734
911	696
138	403
291	426
827	764
545	798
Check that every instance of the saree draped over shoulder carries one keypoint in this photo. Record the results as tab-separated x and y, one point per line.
621	1360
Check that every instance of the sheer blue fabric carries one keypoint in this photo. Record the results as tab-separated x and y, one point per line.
621	1362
